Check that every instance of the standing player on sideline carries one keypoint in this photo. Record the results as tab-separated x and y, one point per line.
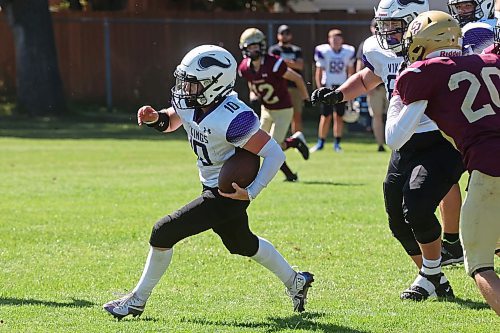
292	56
476	17
411	191
267	77
461	94
334	64
217	123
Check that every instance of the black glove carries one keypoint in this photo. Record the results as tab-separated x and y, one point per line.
326	96
307	103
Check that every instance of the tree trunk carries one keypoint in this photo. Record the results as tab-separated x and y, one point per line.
39	85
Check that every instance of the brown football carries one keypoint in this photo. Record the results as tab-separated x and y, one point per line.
241	168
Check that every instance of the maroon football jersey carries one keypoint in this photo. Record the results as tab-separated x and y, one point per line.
268	82
463	101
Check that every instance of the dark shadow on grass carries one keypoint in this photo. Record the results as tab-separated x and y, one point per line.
467	303
304	321
326	182
76	303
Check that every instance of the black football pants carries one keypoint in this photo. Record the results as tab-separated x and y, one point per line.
419	175
226	217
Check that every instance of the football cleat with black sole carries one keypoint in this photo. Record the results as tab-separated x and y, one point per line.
422	288
129	304
452	253
445	291
299	289
293	178
300	141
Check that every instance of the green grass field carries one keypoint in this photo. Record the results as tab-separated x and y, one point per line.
78	201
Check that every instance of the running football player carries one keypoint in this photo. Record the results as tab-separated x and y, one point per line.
217	123
267	77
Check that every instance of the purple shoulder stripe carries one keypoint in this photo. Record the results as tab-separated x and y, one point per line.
478	38
241	126
367	63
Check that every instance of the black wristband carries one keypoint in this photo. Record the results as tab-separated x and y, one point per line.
162	123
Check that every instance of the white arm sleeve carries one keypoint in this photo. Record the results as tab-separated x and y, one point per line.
273	159
402	121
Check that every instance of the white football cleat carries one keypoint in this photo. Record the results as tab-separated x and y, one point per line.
129	304
299	289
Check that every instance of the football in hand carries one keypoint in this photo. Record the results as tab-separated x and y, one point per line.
241	168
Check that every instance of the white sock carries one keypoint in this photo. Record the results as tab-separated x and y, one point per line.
431	267
424	283
271	259
156	265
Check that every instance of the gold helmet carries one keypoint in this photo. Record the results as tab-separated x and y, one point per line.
430	32
253	36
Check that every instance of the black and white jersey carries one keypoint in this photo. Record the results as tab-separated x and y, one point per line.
385	64
214	135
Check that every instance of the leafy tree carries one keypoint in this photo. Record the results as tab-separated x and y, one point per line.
39	84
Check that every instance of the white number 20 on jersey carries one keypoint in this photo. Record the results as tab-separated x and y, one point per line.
475	84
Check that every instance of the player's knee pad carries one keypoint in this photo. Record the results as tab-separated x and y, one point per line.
404	235
161	236
427	229
423	222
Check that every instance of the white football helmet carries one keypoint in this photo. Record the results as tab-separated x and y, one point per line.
483	9
392	18
352	112
206	74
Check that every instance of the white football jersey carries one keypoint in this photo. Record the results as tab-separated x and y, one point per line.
478	35
214	138
334	64
385	64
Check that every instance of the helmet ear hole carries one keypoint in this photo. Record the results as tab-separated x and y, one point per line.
419	52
